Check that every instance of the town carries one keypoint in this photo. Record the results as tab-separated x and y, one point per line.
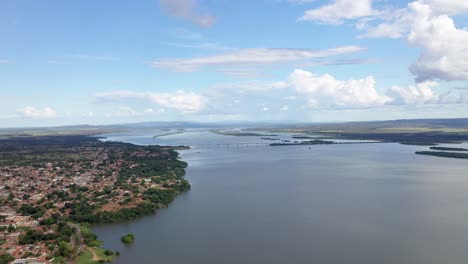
52	188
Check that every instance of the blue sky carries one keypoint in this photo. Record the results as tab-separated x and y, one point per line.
107	62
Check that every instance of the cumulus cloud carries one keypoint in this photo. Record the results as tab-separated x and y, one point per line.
444	47
426	25
253	56
33	112
339	10
188	10
449	7
312	91
324	91
363	10
422	93
302	92
186	102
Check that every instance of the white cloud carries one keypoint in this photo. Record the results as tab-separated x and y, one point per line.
187	9
127	111
186	102
302	93
33	112
422	93
397	24
252	56
427	25
444	47
318	92
339	10
324	91
449	7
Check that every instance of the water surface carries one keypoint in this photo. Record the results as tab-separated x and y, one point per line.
366	203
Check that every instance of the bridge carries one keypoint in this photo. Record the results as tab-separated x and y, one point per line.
265	144
230	145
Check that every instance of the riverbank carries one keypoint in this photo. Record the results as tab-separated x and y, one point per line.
94	182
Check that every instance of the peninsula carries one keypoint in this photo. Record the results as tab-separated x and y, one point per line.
53	187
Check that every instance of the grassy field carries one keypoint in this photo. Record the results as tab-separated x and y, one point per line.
88	257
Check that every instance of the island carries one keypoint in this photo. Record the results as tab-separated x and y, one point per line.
301	143
422	132
53	188
456	155
128	238
302	137
169	132
240	133
449	149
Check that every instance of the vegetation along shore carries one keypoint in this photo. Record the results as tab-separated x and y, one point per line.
55	187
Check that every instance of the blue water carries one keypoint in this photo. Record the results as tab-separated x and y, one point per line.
363	203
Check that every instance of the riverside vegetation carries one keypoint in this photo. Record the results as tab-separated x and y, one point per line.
128	238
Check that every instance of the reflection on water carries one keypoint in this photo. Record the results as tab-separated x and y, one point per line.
366	203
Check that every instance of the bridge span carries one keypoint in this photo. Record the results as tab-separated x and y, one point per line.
230	145
266	144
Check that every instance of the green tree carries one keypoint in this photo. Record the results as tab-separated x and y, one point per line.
128	238
6	258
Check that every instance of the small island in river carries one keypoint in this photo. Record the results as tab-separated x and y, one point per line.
456	155
449	149
128	239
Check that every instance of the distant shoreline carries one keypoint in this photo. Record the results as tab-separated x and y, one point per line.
455	155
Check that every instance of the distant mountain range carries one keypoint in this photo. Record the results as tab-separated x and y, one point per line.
458	123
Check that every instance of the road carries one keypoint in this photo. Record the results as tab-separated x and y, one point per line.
76	237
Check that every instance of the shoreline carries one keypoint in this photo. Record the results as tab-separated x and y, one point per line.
58	187
153	213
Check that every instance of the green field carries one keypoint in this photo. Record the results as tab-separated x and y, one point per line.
87	256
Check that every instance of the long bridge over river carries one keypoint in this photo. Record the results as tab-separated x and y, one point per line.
266	144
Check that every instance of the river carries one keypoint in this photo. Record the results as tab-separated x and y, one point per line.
357	203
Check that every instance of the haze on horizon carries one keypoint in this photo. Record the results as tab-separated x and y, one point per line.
109	62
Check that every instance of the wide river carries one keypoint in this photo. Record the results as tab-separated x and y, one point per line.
361	203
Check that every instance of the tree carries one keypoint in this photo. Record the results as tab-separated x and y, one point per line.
6	258
128	238
108	253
